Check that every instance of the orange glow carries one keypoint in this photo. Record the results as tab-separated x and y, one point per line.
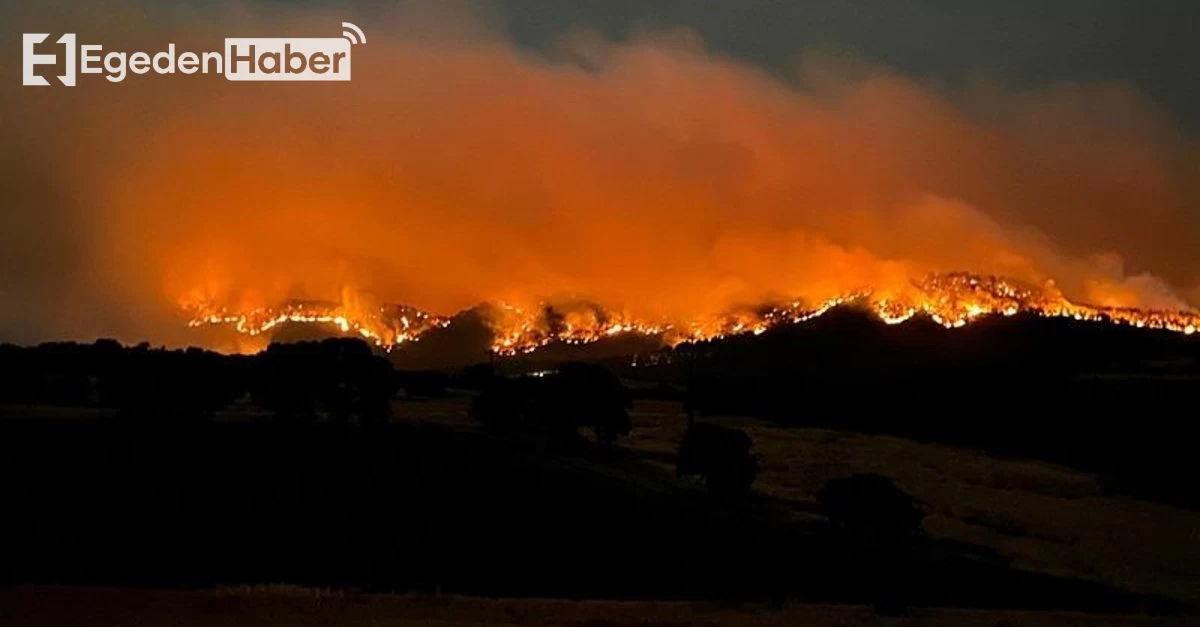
673	188
951	300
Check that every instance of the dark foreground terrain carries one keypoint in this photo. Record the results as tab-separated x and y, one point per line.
425	507
1051	474
438	506
276	606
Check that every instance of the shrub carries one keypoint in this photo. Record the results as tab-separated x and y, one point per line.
502	404
871	503
577	396
721	455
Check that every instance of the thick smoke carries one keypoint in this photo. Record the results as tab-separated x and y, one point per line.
647	175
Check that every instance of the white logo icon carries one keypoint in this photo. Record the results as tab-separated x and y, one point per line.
30	60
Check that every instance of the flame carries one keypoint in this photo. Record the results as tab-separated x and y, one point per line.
650	173
385	327
952	300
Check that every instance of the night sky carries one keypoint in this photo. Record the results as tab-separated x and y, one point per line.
1149	43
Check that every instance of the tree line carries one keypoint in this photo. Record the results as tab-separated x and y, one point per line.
340	379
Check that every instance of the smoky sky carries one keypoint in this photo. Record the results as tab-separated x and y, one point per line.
1148	43
665	158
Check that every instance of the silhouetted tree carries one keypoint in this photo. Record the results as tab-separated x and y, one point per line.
476	377
160	386
874	507
502	404
339	377
871	503
722	456
582	395
424	383
577	395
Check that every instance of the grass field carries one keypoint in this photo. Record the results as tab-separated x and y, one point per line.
1046	518
1041	517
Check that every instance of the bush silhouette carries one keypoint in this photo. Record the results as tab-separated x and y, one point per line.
424	383
578	395
721	455
871	503
340	378
502	404
582	395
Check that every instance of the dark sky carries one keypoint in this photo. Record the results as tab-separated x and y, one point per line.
1150	43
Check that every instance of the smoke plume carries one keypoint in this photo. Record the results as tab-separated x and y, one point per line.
647	175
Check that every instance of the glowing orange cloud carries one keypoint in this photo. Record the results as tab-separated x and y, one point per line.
656	179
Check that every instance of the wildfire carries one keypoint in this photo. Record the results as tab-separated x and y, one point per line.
386	328
520	331
951	300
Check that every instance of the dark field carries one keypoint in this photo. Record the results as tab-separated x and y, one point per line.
273	606
1061	488
432	504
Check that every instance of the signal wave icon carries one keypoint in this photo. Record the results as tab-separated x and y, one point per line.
353	33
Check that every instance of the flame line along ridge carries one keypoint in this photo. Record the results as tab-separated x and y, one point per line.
952	300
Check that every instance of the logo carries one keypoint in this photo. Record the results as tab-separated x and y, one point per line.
243	59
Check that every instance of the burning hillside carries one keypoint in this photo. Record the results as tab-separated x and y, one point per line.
686	194
386	327
952	300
